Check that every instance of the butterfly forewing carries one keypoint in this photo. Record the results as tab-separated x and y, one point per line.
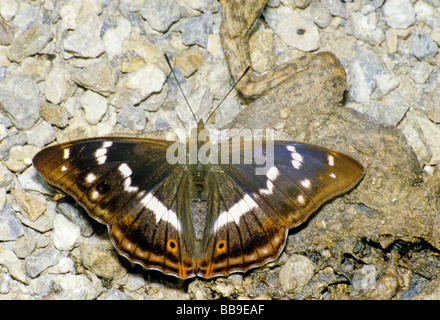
98	172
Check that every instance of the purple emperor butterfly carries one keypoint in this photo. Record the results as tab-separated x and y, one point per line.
197	219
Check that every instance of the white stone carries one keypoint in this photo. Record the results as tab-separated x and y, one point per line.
14	265
296	273
320	15
365	278
85	41
57	85
297	30
365	28
421	72
135	282
424	12
391	40
143	82
65	265
77	287
386	83
8	9
95	106
113	38
69	12
66	233
399	14
423	136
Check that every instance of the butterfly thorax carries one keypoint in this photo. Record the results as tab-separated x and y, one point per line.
198	186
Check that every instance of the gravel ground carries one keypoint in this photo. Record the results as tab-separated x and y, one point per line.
75	68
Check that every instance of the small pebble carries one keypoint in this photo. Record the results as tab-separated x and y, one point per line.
399	14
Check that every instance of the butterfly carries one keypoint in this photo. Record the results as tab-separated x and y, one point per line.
198	218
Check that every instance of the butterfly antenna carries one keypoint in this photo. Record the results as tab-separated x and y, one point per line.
178	84
224	98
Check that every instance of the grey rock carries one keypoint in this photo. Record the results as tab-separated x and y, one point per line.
10	226
6	177
386	83
136	22
155	100
54	114
95	106
7	143
296	273
227	112
160	15
8	10
421	72
422	135
139	84
76	287
85	41
77	216
20	100
364	278
24	246
38	262
14	265
20	157
57	85
65	265
41	135
135	281
43	224
100	262
30	179
6	33
365	28
2	198
65	233
416	285
319	14
195	30
114	294
132	117
97	77
5	283
390	110
113	38
335	7
42	286
30	42
434	3
369	6
431	97
162	124
26	17
363	70
423	47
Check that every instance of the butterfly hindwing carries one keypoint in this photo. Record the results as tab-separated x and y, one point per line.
156	234
239	235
